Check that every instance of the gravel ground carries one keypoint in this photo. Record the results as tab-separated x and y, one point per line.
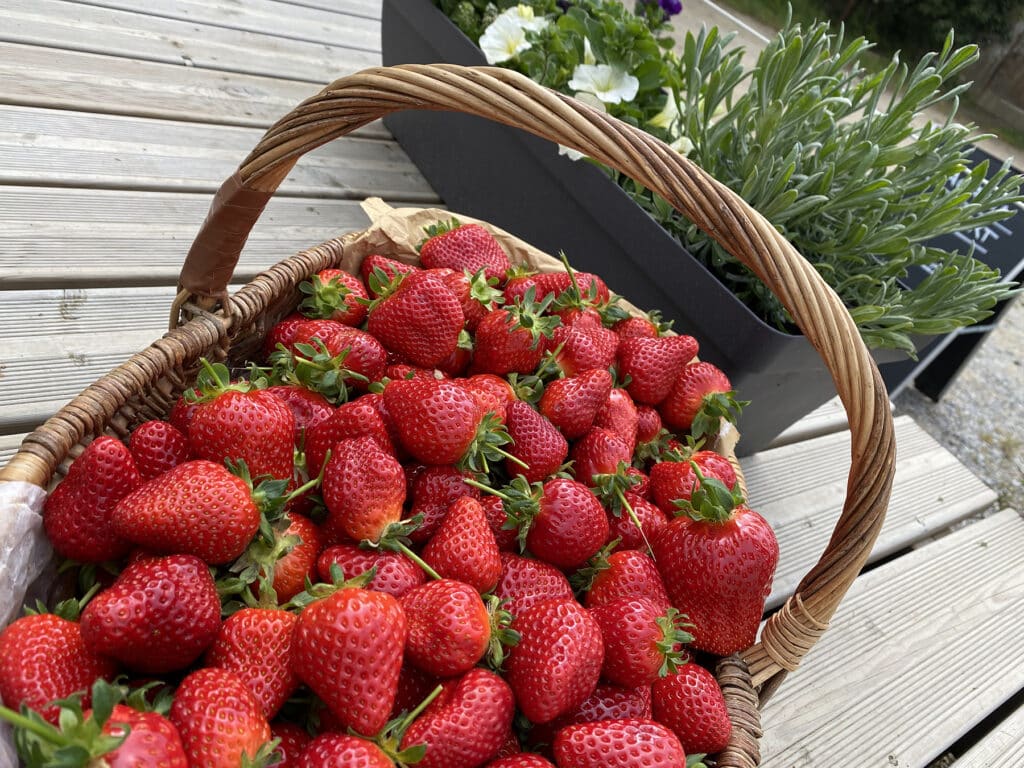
980	418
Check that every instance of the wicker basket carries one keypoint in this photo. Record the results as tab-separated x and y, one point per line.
209	323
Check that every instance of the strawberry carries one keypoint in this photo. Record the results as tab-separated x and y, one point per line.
624	526
509	340
433	490
158	616
157	446
395	573
690	702
701	396
613	744
181	413
77	515
237	422
347	647
572	404
619	415
579	348
493	393
717	562
653	364
420	319
536	442
642	641
292	740
449	627
354	419
560	522
364	489
219	719
255	644
599	452
414	687
504	534
674	481
388	269
467	724
308	407
648	424
283	333
626	573
557	662
110	734
463	548
198	507
476	293
525	582
613	702
637	326
331	359
338	749
334	294
438	422
522	760
290	571
43	657
464	247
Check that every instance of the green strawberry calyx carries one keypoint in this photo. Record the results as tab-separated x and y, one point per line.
212	381
314	367
527	314
673	636
389	739
320	590
396	539
483	289
712	501
611	489
714	407
503	636
381	285
583	579
521	501
438	229
486	446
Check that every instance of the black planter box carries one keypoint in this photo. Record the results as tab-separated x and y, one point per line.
520	183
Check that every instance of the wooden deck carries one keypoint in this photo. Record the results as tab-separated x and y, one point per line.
118	120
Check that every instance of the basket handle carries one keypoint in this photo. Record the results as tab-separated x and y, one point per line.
507	97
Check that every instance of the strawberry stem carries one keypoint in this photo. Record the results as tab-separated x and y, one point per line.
636	520
486	489
46	732
407	551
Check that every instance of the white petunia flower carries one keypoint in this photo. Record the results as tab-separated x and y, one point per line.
588	52
668	115
505	37
610	84
682	145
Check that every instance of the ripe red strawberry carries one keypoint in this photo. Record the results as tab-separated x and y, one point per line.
256	644
579	348
612	744
510	340
449	627
642	641
158	616
463	548
308	407
467	724
182	412
522	760
354	419
619	415
525	582
623	527
648	424
347	647
289	572
395	573
332	359
338	749
701	396
626	573
598	452
282	332
198	507
572	404
504	534
607	702
364	489
636	326
717	562
334	294
433	491
535	441
420	320
493	393
464	247
557	663
152	740
438	422
673	481
235	421
652	365
43	658
414	687
388	269
157	446
77	515
690	702
293	739
555	283
561	522
219	719
475	291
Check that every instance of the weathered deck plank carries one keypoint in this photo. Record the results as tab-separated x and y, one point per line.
800	489
921	649
1003	746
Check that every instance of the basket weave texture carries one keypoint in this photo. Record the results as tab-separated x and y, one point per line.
211	324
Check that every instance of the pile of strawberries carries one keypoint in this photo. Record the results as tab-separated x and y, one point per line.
461	515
